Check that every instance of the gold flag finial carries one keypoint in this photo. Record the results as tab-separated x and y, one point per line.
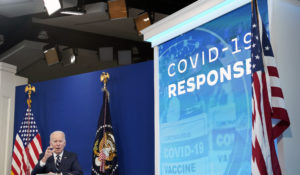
104	78
29	89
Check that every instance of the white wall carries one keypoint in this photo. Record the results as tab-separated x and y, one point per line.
8	82
285	38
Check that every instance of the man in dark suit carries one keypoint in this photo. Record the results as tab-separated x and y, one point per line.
56	160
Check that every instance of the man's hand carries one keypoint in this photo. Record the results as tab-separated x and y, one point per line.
48	153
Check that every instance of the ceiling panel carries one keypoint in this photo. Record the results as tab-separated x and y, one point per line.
23	54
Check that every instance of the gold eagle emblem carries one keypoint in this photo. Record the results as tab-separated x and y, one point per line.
105	150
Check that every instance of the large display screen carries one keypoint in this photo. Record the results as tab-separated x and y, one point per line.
205	98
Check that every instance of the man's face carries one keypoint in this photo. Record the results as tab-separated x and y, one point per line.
58	142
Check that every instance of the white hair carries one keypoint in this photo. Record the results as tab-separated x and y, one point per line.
58	132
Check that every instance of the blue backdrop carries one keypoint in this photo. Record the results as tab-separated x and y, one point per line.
72	104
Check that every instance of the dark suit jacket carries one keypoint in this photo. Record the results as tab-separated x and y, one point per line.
69	165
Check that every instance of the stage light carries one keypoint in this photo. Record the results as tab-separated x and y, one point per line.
51	54
117	9
142	21
69	56
52	6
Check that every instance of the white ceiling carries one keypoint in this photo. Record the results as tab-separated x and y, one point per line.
15	55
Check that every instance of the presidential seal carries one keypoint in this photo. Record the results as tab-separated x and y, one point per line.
105	151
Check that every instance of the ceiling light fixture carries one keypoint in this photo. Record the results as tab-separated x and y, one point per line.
51	54
117	9
71	12
142	21
52	6
69	56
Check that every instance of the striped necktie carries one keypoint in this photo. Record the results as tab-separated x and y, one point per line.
57	164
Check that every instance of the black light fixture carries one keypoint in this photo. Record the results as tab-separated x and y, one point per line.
52	6
69	56
117	9
51	54
142	21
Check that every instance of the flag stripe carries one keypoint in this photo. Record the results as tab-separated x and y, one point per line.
277	92
273	71
16	169
278	102
33	150
274	82
38	143
24	162
20	153
17	158
269	60
259	158
31	158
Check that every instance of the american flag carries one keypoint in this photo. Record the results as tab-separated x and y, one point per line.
27	147
267	101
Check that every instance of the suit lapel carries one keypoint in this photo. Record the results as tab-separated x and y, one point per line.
52	163
63	159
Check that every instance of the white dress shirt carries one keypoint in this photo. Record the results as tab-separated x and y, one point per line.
42	164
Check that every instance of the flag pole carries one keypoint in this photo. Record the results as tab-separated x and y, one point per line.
104	78
29	90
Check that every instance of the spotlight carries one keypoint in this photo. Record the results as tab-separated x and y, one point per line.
117	9
142	21
51	54
52	6
69	56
